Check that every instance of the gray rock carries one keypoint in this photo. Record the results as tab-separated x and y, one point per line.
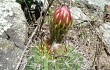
7	1
13	33
9	55
94	11
93	8
45	4
100	3
78	15
105	31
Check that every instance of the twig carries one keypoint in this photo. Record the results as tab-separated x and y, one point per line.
99	36
28	10
94	57
102	40
58	2
45	14
26	47
30	39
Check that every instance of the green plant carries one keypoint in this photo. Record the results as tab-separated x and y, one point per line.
43	60
63	57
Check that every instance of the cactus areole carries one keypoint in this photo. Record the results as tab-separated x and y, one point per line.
61	21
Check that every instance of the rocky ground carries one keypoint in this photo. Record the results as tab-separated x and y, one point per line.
89	34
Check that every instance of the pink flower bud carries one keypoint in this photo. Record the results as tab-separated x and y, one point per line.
62	17
61	21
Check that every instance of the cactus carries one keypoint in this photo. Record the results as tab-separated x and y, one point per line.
37	60
52	54
61	21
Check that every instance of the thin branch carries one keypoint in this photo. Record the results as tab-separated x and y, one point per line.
105	45
26	47
45	14
30	39
94	60
28	10
100	38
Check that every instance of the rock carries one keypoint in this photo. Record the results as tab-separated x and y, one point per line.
45	4
78	15
99	3
94	11
93	8
13	33
9	55
107	13
105	30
